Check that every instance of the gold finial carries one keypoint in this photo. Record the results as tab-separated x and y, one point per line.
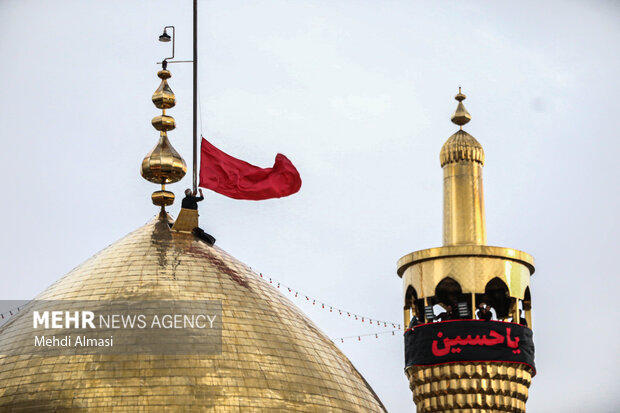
163	164
461	116
163	98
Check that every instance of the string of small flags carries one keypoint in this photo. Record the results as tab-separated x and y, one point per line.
11	313
332	308
359	336
297	294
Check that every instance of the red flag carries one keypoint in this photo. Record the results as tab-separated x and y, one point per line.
238	179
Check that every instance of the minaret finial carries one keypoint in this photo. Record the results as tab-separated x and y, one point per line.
163	165
461	116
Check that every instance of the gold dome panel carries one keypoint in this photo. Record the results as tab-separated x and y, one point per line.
274	359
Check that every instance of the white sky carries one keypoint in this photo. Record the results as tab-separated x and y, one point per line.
358	94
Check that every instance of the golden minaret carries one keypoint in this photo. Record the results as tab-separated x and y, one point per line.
469	348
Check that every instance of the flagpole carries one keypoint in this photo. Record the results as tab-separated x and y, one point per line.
195	107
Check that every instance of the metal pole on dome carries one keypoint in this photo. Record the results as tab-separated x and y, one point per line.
166	38
195	103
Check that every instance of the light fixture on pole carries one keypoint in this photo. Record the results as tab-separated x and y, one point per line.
165	38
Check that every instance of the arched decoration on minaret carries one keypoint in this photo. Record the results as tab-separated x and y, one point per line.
497	296
448	293
527	306
413	306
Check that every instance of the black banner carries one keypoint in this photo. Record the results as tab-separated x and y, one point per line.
469	340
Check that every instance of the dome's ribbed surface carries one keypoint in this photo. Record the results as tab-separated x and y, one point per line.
461	147
274	359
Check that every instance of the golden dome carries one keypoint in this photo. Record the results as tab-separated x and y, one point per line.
273	357
461	147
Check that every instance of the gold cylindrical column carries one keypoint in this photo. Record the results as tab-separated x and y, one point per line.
463	204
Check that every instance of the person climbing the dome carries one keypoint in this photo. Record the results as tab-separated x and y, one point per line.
191	200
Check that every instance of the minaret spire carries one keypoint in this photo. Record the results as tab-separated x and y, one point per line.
462	158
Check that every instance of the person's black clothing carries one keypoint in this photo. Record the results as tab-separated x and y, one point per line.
191	201
484	315
200	233
444	316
